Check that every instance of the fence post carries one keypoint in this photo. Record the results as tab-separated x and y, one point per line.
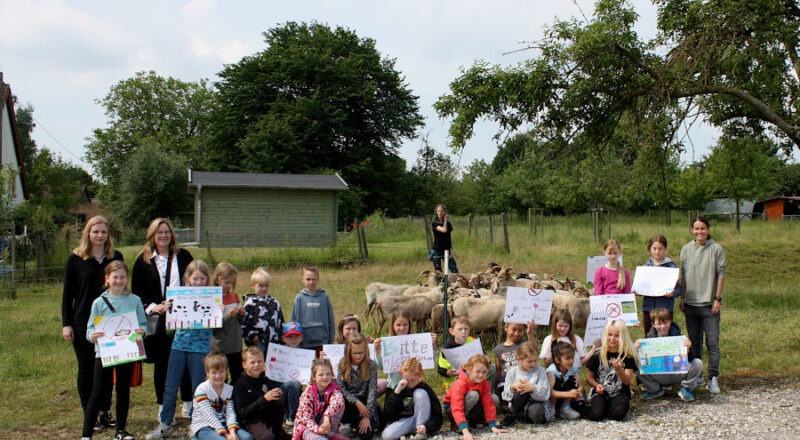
491	230
505	231
470	221
428	233
363	233
530	229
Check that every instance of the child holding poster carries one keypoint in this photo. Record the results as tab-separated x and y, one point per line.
654	384
292	337
561	330
657	246
399	324
321	406
469	401
358	379
459	335
610	373
189	349
612	277
115	299
527	389
411	407
228	339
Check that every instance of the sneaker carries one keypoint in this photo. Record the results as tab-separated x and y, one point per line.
567	413
161	431
98	427
509	421
345	429
123	435
713	386
186	411
686	394
647	395
107	420
419	437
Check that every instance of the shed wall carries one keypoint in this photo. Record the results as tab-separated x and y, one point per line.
774	210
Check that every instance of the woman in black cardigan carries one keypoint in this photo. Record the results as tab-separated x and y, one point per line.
147	281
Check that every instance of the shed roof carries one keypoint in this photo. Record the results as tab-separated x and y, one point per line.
330	182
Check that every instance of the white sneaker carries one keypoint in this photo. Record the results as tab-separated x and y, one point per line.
161	431
186	411
345	429
567	413
713	386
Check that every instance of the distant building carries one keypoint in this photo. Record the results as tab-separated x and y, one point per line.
727	208
10	146
779	208
255	210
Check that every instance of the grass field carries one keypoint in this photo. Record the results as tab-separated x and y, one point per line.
760	322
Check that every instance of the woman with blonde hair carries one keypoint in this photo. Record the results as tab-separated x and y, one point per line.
84	281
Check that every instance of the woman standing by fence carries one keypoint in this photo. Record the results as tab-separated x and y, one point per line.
442	241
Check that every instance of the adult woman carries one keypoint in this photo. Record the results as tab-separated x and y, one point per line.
84	279
160	260
702	278
441	240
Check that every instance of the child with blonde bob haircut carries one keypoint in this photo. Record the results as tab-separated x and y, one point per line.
358	379
321	406
412	407
612	277
610	373
461	403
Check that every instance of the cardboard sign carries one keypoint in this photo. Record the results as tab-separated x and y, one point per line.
667	355
617	306
654	280
396	349
595	325
458	356
335	352
194	307
287	363
120	344
523	305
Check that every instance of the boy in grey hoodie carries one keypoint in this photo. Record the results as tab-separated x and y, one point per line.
314	311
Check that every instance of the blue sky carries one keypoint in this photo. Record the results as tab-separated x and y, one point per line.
62	56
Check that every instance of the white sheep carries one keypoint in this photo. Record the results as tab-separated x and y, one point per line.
376	291
483	313
578	307
418	306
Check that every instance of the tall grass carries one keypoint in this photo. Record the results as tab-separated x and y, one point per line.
760	321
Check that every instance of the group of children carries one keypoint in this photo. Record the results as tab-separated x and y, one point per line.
342	400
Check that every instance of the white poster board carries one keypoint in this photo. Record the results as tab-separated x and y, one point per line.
458	356
655	280
523	305
396	349
194	307
595	325
335	352
667	355
287	363
594	263
617	306
120	344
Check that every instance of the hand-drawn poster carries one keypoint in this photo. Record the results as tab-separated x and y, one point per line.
594	328
523	305
594	263
396	349
458	356
667	355
121	343
287	363
194	307
654	280
335	352
617	306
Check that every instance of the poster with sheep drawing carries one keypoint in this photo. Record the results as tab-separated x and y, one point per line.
194	307
523	305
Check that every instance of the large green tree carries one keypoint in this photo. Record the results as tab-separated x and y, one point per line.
148	109
317	98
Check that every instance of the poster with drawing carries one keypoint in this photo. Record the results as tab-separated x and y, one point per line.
287	363
523	305
595	325
194	307
617	306
654	280
667	355
458	356
594	263
396	349
121	343
335	352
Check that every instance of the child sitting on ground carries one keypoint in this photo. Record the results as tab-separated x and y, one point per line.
214	415
258	400
566	396
358	379
527	389
505	353
321	406
459	335
654	384
610	373
412	407
469	400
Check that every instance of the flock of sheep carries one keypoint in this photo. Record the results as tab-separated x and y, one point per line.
478	296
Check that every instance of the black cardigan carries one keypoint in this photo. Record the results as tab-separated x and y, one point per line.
84	281
146	282
393	408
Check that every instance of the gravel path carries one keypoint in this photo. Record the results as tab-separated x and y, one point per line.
761	412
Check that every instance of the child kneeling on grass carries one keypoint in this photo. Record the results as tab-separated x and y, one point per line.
214	414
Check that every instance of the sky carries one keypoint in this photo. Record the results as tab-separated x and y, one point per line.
63	56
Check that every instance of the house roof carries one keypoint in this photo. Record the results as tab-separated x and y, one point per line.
795	198
262	180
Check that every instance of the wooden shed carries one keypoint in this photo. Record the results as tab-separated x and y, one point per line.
779	208
272	210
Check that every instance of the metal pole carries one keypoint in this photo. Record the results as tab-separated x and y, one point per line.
446	268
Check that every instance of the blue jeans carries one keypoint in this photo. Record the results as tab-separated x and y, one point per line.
211	434
437	258
291	397
179	362
700	320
